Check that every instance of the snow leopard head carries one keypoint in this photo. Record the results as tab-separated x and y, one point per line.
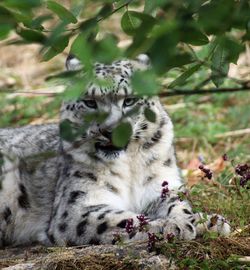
117	103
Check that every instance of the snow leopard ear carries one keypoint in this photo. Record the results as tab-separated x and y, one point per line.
141	62
72	63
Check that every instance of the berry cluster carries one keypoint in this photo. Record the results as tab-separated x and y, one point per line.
143	222
208	173
170	237
243	170
225	157
129	226
165	190
152	239
143	225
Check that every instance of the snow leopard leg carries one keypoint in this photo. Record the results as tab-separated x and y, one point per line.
213	222
99	224
188	224
177	213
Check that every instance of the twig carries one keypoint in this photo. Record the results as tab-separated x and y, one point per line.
244	260
189	92
233	133
171	92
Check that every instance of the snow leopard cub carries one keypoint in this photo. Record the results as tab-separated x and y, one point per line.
92	188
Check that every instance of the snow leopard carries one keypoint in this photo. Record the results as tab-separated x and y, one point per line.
60	192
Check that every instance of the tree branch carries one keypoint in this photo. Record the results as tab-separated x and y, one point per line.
169	93
189	92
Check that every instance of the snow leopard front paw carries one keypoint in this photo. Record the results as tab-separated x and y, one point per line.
181	229
214	223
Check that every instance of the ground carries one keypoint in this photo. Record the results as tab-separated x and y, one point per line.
206	127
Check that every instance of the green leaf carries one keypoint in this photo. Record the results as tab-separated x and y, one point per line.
36	23
144	83
97	117
88	25
215	17
105	10
76	90
23	6
185	75
133	21
227	51
106	49
150	5
57	47
220	65
64	14
82	50
31	35
4	30
121	134
130	23
150	115
194	36
66	131
6	16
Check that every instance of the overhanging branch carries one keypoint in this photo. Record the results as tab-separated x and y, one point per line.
168	93
189	92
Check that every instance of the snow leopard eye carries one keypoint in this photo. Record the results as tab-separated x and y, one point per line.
129	101
90	103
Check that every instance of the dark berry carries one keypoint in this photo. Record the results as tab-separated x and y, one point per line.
129	226
143	222
225	157
164	183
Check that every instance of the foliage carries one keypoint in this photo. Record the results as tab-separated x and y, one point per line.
166	30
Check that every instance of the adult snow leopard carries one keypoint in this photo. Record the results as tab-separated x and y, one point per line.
88	191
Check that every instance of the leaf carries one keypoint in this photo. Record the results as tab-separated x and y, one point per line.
215	17
97	117
76	90
106	49
194	36
64	14
31	35
4	30
6	16
57	47
133	21
185	75
27	4
36	23
82	50
150	115
105	10
66	131
144	83
121	134
89	24
226	51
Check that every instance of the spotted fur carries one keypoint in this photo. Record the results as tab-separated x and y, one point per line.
82	192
